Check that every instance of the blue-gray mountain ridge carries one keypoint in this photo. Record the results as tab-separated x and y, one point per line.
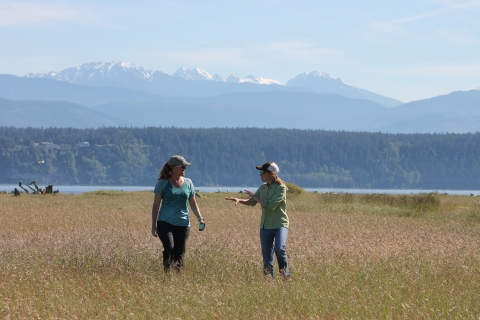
120	94
198	82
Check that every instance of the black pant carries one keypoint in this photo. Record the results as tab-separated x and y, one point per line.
174	240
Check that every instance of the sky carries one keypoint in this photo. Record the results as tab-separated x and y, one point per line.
406	50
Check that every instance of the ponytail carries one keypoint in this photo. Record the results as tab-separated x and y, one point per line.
165	173
277	179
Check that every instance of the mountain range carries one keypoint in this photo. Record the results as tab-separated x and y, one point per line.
122	94
197	82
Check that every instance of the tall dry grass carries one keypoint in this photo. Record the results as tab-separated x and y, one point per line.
352	256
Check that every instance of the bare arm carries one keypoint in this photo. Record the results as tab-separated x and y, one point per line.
155	207
237	201
245	202
195	208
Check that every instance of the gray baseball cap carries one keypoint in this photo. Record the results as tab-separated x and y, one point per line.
178	161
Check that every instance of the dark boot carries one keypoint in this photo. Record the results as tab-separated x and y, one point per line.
268	271
167	261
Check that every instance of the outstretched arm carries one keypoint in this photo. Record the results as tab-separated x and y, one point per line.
245	202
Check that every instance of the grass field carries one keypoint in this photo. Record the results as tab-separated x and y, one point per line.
92	256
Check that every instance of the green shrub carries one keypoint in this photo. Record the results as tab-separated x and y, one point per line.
293	189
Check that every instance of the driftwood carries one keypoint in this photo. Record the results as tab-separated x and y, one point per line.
39	190
20	185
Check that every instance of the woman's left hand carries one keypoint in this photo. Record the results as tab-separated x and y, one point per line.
250	193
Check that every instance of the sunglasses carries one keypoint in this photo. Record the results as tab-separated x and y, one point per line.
263	171
183	167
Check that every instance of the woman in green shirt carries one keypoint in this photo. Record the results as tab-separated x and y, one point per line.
171	222
272	196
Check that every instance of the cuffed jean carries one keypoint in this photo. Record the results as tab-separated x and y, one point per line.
273	240
174	240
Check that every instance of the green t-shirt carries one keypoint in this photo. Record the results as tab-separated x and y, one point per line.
274	211
174	206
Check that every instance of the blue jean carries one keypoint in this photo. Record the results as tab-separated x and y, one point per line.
273	240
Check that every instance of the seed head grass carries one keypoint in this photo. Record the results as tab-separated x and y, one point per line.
92	255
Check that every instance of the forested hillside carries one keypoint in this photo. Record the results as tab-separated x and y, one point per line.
227	157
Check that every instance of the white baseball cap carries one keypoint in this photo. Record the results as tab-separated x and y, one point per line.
269	166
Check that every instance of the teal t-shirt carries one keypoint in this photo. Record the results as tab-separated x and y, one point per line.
174	206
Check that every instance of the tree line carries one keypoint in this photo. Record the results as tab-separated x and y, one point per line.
228	156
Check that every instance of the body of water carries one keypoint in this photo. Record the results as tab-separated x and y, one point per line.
80	189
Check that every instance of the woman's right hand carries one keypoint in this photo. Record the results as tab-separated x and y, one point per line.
154	230
236	200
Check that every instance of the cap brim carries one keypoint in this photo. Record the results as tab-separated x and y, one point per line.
259	167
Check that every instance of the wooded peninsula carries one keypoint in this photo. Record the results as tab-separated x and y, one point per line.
228	156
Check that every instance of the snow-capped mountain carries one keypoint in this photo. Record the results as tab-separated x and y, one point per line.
48	75
324	83
252	79
313	75
233	78
185	82
196	74
92	71
200	74
259	80
123	71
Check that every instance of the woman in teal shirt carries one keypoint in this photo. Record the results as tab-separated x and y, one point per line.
171	222
272	196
